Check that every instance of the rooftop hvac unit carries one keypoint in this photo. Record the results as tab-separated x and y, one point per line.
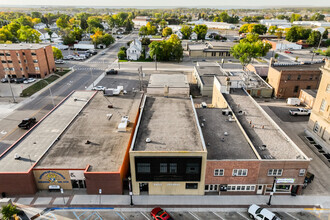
123	124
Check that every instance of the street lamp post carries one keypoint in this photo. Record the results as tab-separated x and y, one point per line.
155	61
62	192
130	190
100	192
50	92
318	47
272	192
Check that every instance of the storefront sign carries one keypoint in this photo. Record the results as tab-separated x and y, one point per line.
285	180
52	177
76	174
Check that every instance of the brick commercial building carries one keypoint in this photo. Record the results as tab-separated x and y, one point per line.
246	148
288	79
26	60
319	121
79	145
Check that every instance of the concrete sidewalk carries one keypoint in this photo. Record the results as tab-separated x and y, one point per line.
174	201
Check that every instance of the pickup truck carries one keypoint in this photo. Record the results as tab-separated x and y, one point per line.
27	123
300	111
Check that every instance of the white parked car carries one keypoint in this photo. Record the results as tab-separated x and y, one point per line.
99	88
59	62
256	212
29	80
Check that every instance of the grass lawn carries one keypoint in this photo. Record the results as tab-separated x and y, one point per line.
62	73
261	60
38	86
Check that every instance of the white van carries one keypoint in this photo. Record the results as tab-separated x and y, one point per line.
293	101
256	212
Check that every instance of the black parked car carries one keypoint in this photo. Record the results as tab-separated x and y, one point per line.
111	72
27	123
20	80
5	80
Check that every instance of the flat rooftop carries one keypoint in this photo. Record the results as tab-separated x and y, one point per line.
107	146
220	146
171	80
170	124
311	92
209	70
246	110
205	63
34	145
301	67
22	46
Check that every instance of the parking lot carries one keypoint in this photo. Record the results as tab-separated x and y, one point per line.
17	89
115	214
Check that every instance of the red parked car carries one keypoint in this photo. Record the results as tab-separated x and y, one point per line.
160	214
287	51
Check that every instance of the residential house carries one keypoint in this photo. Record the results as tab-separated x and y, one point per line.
193	36
279	44
39	26
44	35
134	51
213	49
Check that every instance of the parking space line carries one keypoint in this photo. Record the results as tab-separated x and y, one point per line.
76	215
218	215
194	215
145	215
99	215
117	213
242	215
291	216
89	216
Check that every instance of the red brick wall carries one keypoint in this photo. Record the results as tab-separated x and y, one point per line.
17	183
228	166
110	183
290	170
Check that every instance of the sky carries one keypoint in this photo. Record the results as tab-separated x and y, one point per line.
171	3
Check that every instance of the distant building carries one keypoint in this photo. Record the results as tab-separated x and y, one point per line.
319	121
307	97
312	23
214	25
288	79
39	26
140	21
135	50
44	35
168	85
26	60
276	22
210	49
283	44
261	70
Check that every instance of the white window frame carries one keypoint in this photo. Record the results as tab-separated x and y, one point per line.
323	105
246	188
275	172
240	172
36	68
328	88
219	172
302	172
317	127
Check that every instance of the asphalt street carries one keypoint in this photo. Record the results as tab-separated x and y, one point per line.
83	76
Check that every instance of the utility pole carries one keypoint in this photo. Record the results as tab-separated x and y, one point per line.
156	61
12	93
130	190
318	47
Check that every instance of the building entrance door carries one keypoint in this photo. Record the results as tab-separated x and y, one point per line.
144	189
260	189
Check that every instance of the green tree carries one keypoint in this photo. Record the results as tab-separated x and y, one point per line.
145	41
36	14
272	29
62	22
247	19
201	31
121	55
244	28
107	39
77	33
167	31
57	53
5	35
28	35
250	38
143	31
166	50
317	17
259	29
50	32
245	51
8	211
292	35
314	38
94	23
295	17
325	34
83	23
186	31
151	29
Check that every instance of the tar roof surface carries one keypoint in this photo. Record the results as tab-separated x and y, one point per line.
303	67
108	146
170	124
312	92
277	146
219	146
209	70
22	46
171	80
35	144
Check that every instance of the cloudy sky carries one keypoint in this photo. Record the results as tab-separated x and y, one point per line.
186	3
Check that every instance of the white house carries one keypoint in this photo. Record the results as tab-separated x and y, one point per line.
105	25
134	51
39	26
44	35
140	21
312	23
179	34
193	36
